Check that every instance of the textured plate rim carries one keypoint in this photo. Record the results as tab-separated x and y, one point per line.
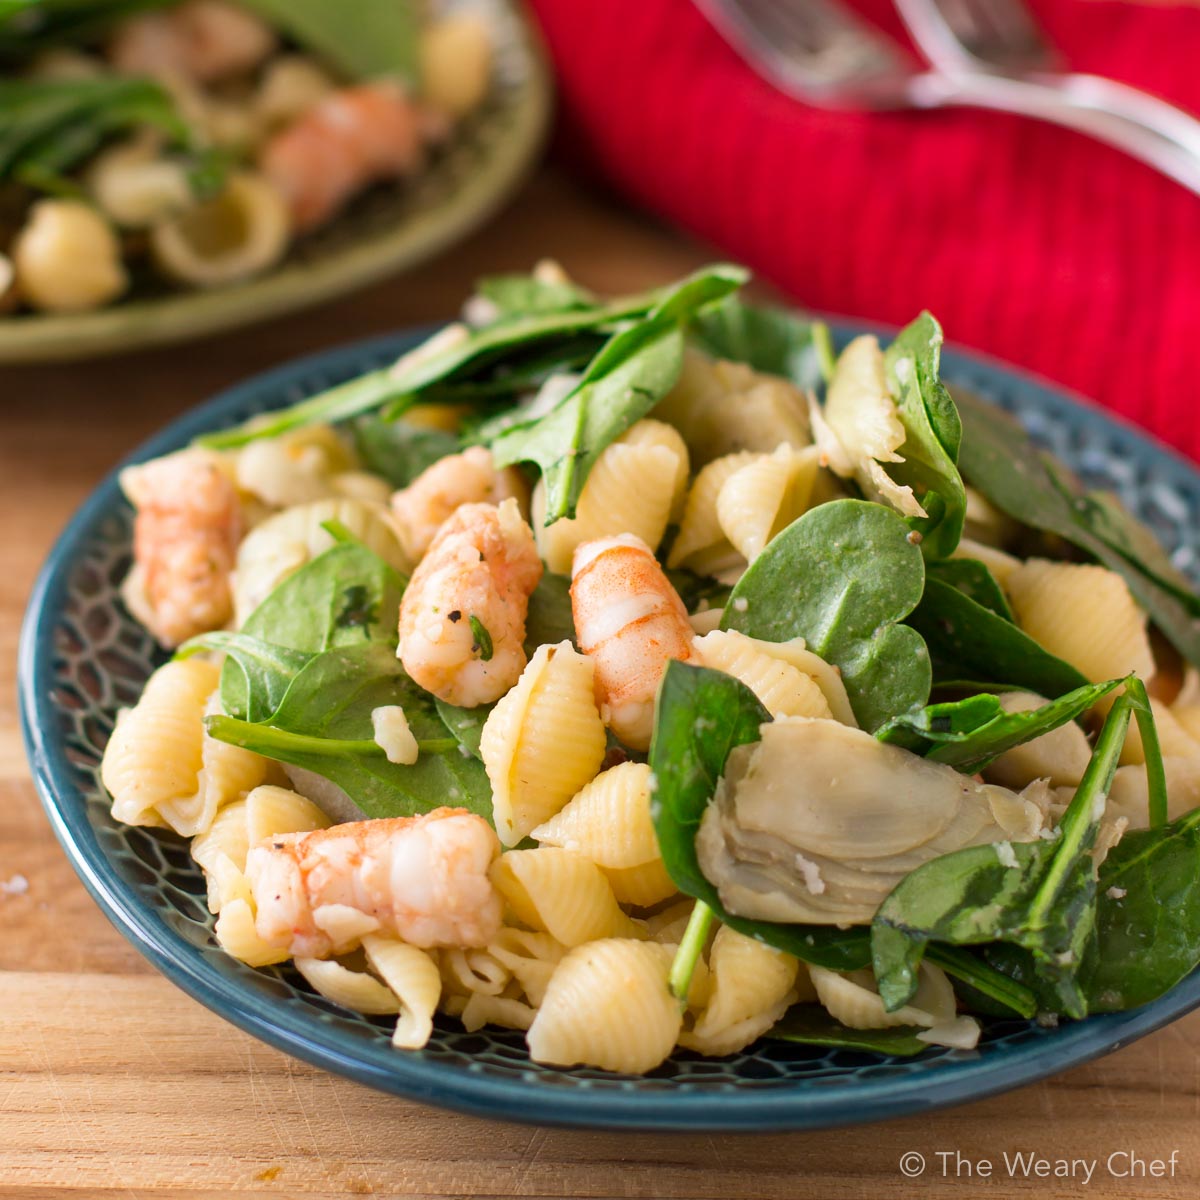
800	1105
297	285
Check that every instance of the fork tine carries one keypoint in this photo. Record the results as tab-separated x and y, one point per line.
811	48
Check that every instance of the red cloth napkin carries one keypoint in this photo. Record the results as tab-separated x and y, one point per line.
1027	241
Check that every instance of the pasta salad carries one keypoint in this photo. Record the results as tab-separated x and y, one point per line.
644	674
195	141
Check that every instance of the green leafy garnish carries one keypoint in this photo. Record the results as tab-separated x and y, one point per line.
811	1025
842	577
1001	460
482	644
1038	896
397	451
777	341
522	295
968	641
974	580
701	716
972	733
631	373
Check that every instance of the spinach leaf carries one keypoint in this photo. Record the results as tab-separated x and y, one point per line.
811	1025
382	38
550	619
324	724
970	734
842	577
701	716
266	671
1003	462
442	361
523	295
988	989
968	641
1147	934
47	127
631	373
466	724
974	580
774	340
1039	896
696	590
932	435
397	451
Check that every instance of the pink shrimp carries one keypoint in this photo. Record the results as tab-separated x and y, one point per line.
466	478
462	619
630	621
200	40
423	879
353	138
185	538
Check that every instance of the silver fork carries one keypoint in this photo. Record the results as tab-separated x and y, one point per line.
822	53
1001	37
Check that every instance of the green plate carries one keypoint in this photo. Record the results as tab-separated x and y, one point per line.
385	231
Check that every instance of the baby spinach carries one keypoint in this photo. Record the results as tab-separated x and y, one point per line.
842	577
1000	459
634	369
701	716
323	723
382	39
968	641
266	671
974	580
777	341
397	451
932	435
466	724
970	734
522	295
811	1025
1039	895
1147	934
550	619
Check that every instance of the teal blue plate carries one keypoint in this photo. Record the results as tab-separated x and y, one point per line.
82	657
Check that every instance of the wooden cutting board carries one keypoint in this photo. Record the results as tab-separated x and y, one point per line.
113	1083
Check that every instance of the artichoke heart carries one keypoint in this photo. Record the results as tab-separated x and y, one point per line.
818	822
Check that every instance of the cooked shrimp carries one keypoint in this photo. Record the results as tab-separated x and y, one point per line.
466	478
355	137
462	619
199	40
423	879
185	540
630	620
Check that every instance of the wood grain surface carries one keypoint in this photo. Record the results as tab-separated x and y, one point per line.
112	1082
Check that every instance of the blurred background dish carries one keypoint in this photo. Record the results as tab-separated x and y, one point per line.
297	174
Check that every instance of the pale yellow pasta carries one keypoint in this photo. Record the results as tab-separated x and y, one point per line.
242	230
751	986
608	1006
67	258
765	496
658	433
543	741
415	982
827	677
1175	739
1060	757
291	85
1187	717
1129	796
630	489
721	407
782	687
294	468
531	958
609	822
455	56
561	893
706	620
161	767
1085	615
135	184
853	999
504	1011
701	544
355	990
467	972
238	937
283	543
668	924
